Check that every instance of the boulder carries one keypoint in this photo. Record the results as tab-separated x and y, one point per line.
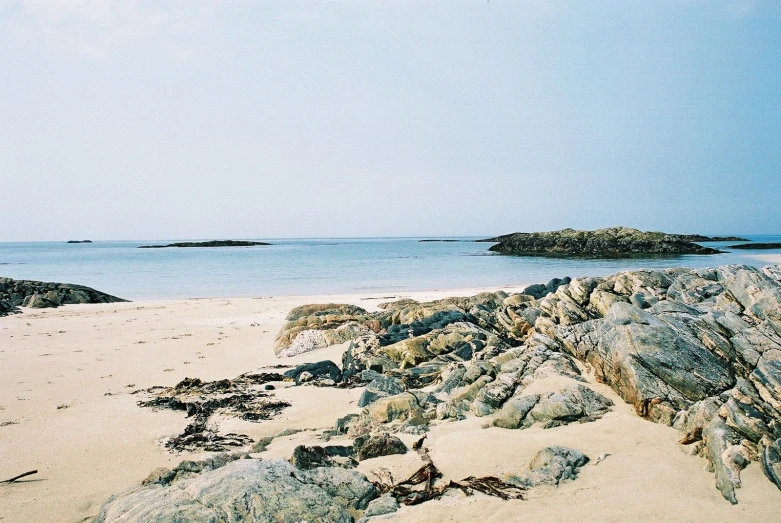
308	372
380	387
382	444
551	466
244	490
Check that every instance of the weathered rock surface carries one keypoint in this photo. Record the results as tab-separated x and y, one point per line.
386	504
319	372
38	295
611	242
382	444
552	409
245	490
551	466
307	458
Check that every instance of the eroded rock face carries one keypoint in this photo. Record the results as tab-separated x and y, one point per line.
245	490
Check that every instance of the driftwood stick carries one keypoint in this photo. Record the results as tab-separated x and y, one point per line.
20	476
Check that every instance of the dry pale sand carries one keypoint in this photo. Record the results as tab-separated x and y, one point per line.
66	409
769	258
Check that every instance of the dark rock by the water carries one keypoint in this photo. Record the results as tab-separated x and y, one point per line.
612	242
213	243
79	241
699	238
758	246
38	295
437	240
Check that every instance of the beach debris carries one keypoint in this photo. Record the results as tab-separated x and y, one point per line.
20	476
422	485
601	458
242	397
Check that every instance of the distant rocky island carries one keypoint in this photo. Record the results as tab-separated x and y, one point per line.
449	240
614	242
699	238
756	246
41	295
213	243
88	241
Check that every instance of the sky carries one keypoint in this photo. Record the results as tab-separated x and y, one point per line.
236	119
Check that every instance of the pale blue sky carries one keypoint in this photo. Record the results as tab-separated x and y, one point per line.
239	119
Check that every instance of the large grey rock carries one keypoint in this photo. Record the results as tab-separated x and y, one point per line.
381	387
383	505
348	488
551	466
242	491
660	367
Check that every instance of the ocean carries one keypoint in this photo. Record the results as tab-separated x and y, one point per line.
312	266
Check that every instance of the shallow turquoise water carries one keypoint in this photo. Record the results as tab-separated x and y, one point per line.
310	266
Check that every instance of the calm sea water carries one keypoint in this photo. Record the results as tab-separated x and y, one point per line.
310	266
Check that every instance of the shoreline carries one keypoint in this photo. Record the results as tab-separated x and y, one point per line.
72	371
67	408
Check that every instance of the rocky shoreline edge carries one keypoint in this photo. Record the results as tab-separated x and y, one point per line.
40	295
697	350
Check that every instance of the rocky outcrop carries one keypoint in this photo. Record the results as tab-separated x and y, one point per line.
612	242
697	350
213	243
312	327
39	295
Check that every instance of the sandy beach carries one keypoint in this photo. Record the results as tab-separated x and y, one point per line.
67	410
769	258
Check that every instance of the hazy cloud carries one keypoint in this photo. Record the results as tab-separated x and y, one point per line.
96	28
